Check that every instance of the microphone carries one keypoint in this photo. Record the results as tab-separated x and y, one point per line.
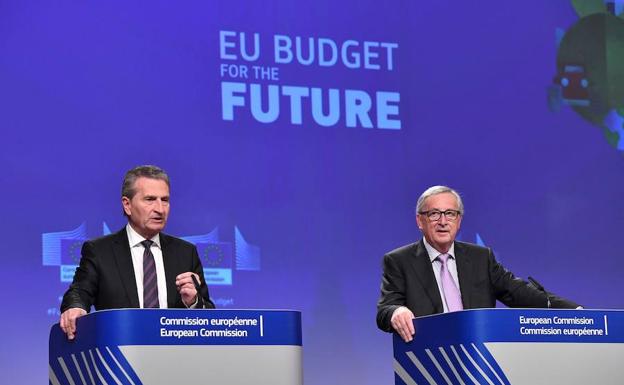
539	287
200	297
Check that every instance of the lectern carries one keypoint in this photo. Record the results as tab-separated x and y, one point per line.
177	346
514	347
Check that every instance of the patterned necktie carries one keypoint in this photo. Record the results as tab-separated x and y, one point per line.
451	292
150	284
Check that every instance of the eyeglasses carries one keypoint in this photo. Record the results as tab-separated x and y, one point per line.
435	215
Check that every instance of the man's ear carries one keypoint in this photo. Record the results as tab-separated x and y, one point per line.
125	202
418	222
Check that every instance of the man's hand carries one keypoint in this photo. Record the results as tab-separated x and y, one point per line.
68	321
186	288
402	322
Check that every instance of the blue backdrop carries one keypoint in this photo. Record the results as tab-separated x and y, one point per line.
298	177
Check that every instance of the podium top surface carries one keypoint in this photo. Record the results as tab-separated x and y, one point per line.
520	325
182	327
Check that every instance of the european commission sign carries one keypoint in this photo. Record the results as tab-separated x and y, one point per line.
219	258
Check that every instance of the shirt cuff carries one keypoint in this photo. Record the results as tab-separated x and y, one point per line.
194	305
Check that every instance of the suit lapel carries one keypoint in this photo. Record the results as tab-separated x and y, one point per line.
464	273
421	265
123	258
170	270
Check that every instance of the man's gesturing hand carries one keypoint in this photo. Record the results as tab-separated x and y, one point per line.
186	288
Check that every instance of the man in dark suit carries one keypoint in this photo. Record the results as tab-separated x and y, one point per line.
139	266
438	274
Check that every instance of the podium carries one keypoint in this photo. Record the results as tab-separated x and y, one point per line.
513	347
178	346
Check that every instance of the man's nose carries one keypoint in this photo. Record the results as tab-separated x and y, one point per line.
442	221
159	205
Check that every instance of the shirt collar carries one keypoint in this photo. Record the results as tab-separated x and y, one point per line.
135	238
433	253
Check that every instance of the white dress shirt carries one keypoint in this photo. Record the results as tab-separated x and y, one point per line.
137	250
437	267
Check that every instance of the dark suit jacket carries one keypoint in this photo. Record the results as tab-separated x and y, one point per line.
408	280
105	277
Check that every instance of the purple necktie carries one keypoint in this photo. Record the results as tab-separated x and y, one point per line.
451	292
150	284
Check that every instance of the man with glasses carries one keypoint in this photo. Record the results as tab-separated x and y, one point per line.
438	274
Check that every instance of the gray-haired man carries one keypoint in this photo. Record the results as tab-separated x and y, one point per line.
439	274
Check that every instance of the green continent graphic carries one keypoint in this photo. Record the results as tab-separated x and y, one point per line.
588	7
590	68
